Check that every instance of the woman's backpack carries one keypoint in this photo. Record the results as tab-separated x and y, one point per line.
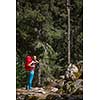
28	60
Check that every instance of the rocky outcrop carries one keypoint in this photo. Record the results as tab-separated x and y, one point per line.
73	72
74	87
52	97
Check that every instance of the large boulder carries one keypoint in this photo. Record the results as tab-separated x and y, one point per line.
73	72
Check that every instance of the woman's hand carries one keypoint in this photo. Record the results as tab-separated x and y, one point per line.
30	64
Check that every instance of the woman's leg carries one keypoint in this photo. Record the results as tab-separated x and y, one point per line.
27	86
31	76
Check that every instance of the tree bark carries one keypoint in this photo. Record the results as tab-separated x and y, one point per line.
68	9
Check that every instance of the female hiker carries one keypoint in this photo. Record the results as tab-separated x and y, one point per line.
30	65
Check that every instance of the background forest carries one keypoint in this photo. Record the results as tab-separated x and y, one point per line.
41	30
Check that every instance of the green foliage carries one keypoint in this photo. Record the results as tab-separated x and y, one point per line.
21	75
41	30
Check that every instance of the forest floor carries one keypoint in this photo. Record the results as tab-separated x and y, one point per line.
40	92
44	93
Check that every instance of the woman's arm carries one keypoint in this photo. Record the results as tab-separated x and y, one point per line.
37	61
30	64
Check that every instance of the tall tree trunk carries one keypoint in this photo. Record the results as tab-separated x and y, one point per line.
68	9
